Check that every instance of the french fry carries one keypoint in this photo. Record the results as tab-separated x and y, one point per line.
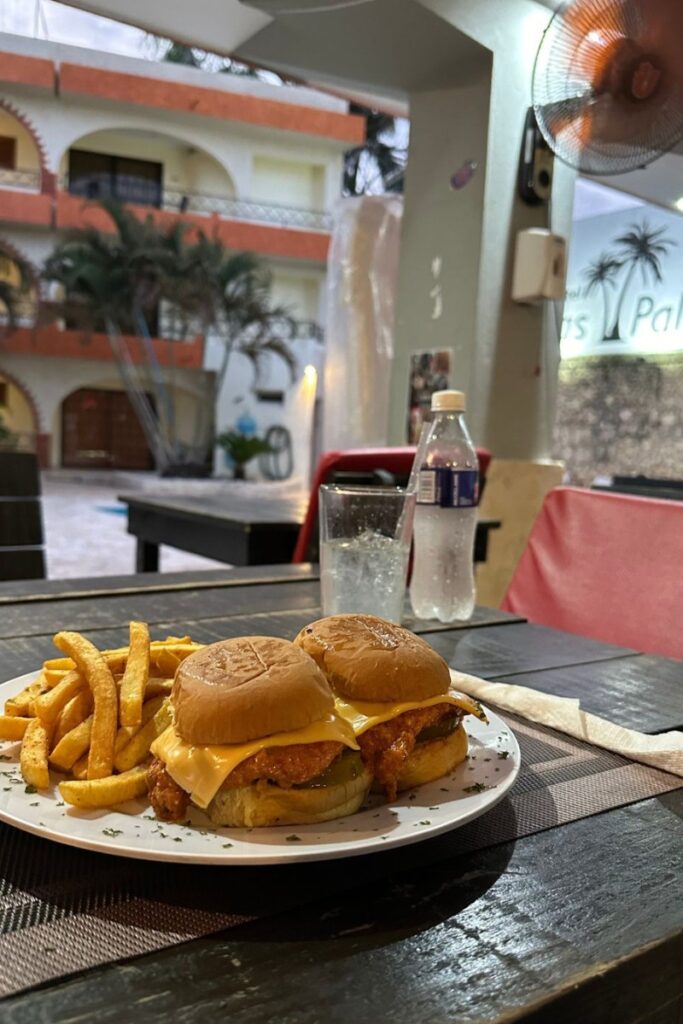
72	714
54	670
107	791
167	662
178	650
80	769
135	677
20	705
182	647
101	681
48	705
126	732
157	686
75	744
138	748
33	756
12	727
72	746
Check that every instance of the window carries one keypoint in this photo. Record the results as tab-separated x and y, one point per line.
101	176
8	153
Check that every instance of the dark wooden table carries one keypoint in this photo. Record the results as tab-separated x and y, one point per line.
236	529
582	923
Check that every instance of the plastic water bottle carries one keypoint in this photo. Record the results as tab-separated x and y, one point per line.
446	477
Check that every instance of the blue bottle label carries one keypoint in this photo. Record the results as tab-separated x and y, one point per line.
448	488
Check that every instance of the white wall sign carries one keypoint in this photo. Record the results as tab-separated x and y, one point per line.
625	284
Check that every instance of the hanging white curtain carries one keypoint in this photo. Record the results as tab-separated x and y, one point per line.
359	335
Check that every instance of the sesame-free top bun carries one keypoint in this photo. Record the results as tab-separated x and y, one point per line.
369	659
246	688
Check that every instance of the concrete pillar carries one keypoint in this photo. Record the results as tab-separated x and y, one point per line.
506	355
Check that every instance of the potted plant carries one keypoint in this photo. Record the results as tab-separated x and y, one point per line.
241	449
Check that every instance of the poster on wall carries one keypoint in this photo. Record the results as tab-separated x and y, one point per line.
625	284
430	371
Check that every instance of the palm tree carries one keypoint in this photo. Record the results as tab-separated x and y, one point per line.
242	316
385	161
118	282
601	274
642	246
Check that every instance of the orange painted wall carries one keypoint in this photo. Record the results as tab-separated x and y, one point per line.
17	68
73	212
51	341
75	79
25	207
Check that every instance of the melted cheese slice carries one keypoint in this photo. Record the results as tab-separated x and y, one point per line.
362	715
202	770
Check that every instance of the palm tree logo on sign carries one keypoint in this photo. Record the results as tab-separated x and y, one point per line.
642	248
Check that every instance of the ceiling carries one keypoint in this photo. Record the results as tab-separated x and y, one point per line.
373	49
220	25
377	51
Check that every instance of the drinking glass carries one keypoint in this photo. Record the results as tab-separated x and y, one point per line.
365	535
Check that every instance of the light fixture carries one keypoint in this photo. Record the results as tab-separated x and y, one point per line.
310	374
679	204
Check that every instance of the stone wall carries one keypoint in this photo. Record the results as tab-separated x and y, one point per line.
620	414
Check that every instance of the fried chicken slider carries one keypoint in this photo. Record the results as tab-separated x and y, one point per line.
395	690
255	740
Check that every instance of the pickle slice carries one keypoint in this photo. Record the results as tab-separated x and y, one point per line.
347	767
440	729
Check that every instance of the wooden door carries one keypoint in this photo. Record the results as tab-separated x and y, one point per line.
101	429
129	448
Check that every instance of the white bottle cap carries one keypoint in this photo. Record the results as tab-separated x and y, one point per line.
448	401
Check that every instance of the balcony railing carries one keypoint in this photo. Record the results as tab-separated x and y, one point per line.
18	441
17	178
128	189
247	209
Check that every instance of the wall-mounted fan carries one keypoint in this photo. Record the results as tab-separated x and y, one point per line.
608	83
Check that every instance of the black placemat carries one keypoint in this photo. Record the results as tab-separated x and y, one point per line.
63	910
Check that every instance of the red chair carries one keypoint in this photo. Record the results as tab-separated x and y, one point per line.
607	566
397	461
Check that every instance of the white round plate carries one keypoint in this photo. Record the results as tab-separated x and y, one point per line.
132	830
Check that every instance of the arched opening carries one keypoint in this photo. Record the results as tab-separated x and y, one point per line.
100	429
148	168
19	287
22	163
19	420
96	425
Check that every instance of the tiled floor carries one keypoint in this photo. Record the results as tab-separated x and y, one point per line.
84	539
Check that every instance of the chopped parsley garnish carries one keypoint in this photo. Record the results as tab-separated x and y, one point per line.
36	804
425	822
503	754
177	839
228	846
293	839
30	789
478	787
112	832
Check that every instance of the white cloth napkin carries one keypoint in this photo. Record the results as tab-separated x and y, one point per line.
664	751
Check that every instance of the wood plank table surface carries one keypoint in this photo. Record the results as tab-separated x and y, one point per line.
581	923
239	529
